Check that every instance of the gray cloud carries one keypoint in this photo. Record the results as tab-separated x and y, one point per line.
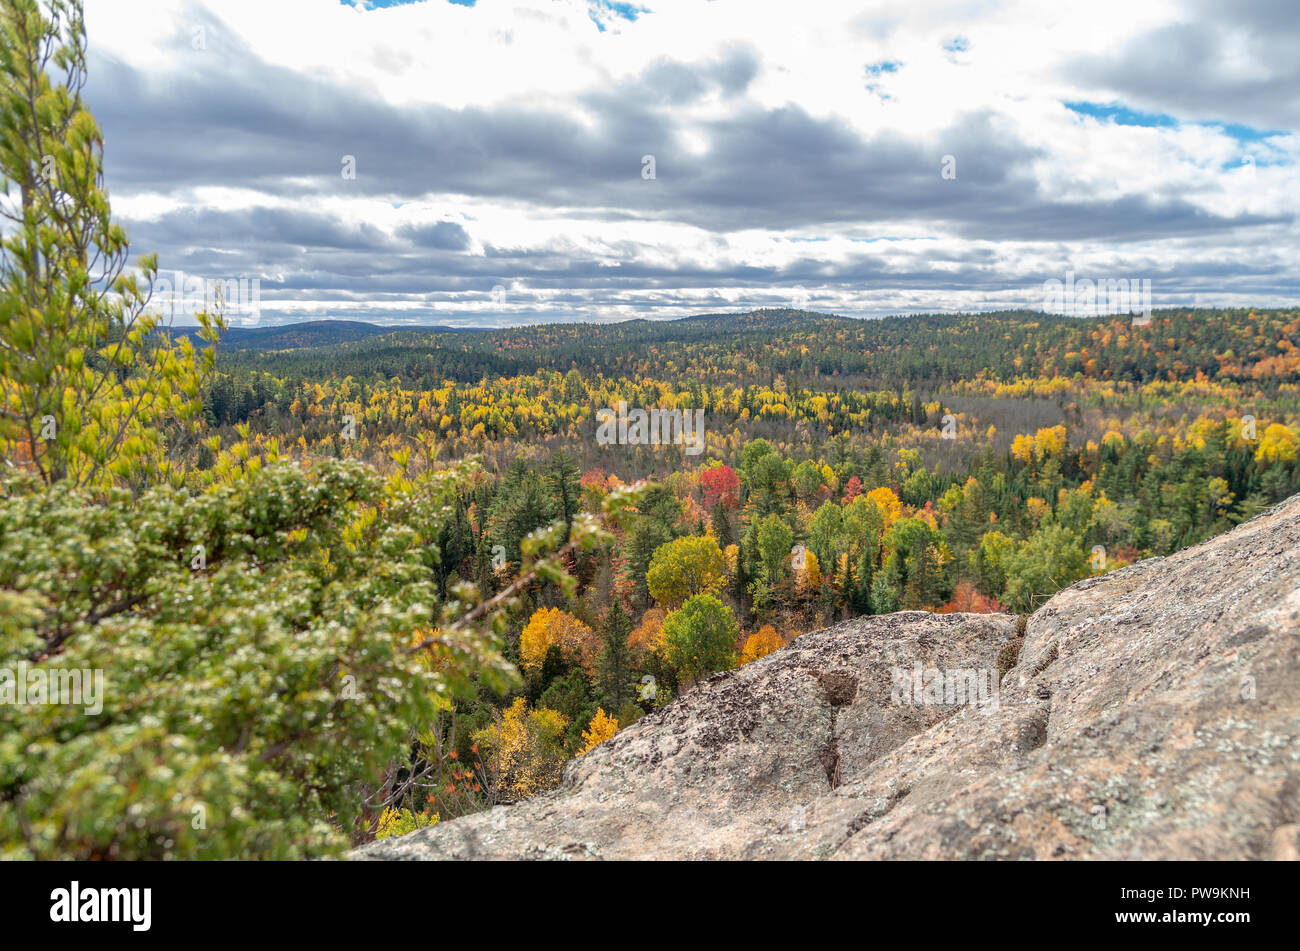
442	236
1192	69
227	118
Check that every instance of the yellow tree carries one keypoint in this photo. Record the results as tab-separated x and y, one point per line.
762	642
1050	442
685	567
809	580
888	502
525	749
551	627
1037	508
601	728
648	636
85	381
1022	449
1278	445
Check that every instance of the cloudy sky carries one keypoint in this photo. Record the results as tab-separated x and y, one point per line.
514	161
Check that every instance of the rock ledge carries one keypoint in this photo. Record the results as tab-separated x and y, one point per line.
1152	713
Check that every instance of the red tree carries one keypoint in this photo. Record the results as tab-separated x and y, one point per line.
966	600
720	484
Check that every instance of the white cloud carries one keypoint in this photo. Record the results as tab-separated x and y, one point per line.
693	79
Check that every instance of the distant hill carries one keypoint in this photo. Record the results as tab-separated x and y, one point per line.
466	354
313	333
328	333
928	349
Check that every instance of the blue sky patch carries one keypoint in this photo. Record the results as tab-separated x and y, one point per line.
601	10
1243	133
1122	115
381	4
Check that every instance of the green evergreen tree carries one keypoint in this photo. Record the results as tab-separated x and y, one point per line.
614	673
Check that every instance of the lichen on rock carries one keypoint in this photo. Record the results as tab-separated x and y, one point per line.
1150	713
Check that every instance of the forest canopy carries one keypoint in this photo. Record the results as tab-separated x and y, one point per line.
339	586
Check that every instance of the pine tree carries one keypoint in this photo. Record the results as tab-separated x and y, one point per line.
614	666
82	371
721	524
564	479
522	504
860	593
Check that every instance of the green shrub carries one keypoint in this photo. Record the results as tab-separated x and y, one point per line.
254	639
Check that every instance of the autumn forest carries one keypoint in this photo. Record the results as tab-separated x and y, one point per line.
278	590
941	463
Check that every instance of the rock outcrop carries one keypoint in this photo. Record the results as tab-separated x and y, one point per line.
1150	713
